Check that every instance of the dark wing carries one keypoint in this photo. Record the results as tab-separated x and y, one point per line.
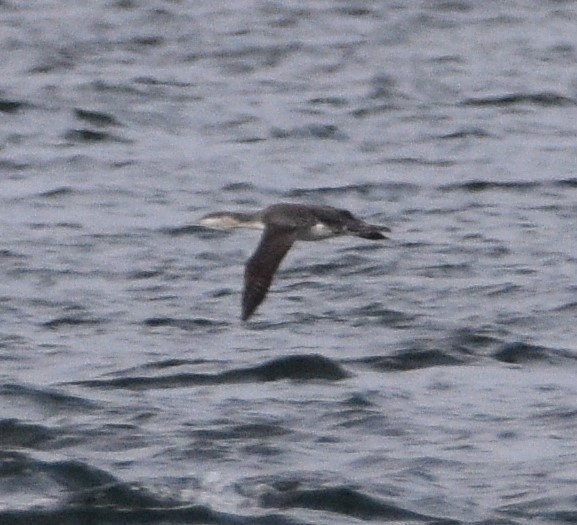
260	268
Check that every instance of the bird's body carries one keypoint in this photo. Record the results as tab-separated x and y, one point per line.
283	224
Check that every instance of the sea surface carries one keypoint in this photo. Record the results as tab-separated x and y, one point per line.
430	378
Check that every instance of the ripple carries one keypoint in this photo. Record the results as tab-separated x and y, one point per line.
62	191
316	131
59	322
96	118
366	189
91	136
242	432
377	314
465	133
545	99
183	324
410	360
193	229
566	183
474	186
11	106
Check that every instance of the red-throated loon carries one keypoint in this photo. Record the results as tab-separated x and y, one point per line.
283	224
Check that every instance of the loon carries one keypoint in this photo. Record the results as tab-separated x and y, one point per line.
282	225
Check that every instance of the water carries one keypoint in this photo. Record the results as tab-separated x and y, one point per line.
431	378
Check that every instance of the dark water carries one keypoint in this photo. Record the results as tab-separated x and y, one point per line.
430	379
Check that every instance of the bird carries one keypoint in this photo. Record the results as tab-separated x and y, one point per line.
283	224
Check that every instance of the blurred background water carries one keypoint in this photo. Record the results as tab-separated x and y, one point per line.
428	379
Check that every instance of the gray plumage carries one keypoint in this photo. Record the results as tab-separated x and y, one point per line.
283	224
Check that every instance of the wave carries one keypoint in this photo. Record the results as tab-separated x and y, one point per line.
48	398
308	367
343	500
519	352
81	493
15	433
127	516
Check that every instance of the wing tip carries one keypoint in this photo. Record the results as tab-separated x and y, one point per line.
249	305
246	315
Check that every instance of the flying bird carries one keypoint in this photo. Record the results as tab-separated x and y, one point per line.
282	225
